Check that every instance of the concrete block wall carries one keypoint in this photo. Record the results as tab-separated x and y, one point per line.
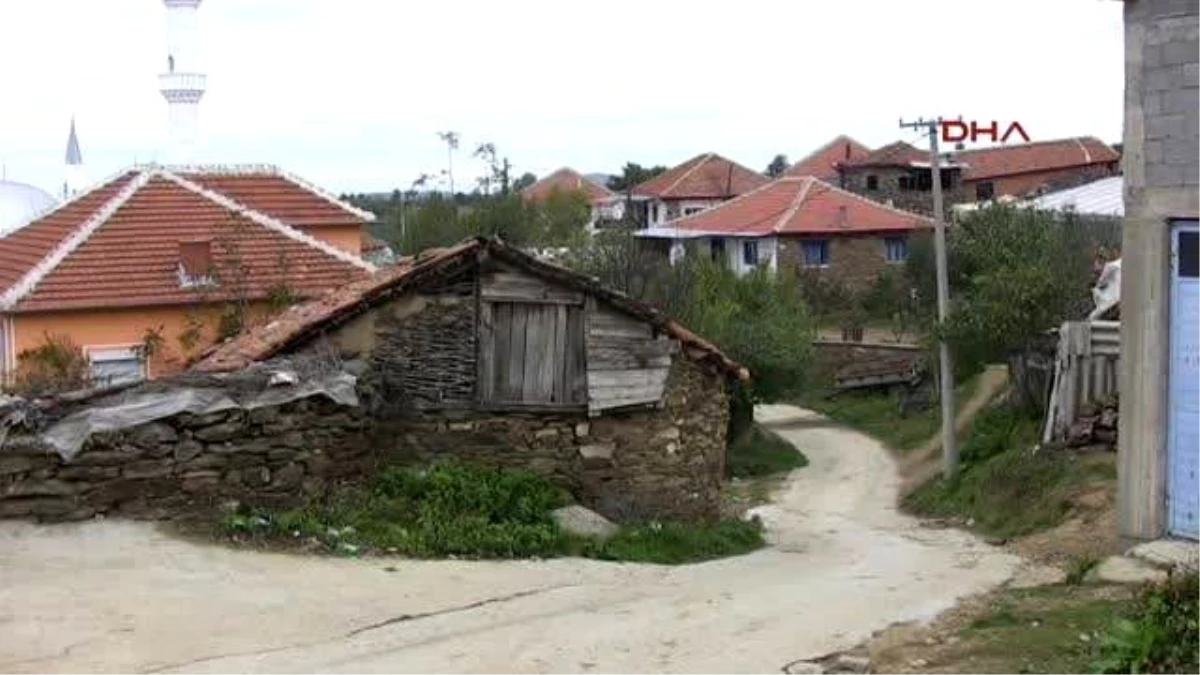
1161	180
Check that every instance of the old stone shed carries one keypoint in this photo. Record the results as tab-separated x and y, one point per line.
482	352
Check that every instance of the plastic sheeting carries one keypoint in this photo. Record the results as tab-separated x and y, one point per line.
68	435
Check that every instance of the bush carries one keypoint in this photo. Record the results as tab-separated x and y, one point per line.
54	366
1159	635
451	509
759	452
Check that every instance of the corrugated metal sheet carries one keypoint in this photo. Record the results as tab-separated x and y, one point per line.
1103	197
1085	371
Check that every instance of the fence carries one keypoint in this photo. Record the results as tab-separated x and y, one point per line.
1085	371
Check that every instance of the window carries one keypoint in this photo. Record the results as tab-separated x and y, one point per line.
654	213
718	249
984	191
816	253
116	365
924	181
531	354
905	183
750	253
872	183
947	180
895	249
687	211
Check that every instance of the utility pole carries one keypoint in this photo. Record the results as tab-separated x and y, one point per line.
945	367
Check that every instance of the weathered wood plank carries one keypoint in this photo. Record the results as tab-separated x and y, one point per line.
577	358
502	335
516	354
510	286
486	355
626	378
535	349
545	357
562	384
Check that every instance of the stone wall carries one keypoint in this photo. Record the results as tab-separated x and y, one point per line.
854	260
270	456
665	462
830	357
888	188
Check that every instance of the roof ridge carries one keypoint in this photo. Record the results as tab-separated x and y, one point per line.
327	195
28	281
823	148
704	157
873	202
76	196
736	199
797	202
1030	144
1087	156
265	220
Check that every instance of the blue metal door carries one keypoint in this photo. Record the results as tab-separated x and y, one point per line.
1183	402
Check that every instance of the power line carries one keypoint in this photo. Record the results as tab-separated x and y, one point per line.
946	367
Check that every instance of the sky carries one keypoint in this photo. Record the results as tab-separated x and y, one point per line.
352	94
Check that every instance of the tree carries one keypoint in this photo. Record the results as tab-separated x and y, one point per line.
777	166
632	174
524	181
563	218
450	138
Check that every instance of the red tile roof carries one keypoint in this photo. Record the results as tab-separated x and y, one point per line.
799	205
277	193
822	163
119	245
567	180
892	154
707	176
1007	160
299	323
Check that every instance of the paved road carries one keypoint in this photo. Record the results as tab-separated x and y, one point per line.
121	596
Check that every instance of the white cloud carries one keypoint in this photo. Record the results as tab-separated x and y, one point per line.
350	94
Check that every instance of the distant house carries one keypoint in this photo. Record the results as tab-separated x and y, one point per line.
901	175
823	162
606	204
166	252
700	183
800	222
1029	168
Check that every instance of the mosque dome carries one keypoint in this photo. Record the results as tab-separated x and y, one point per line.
19	203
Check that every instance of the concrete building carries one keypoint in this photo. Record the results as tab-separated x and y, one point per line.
1160	294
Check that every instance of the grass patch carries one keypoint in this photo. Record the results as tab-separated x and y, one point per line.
674	543
877	414
758	452
1054	629
450	509
1002	486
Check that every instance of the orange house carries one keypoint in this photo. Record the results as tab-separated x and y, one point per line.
157	263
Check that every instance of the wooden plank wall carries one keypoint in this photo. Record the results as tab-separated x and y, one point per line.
626	363
531	341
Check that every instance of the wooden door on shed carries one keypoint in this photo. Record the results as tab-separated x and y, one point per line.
1183	392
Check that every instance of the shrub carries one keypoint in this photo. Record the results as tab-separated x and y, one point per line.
56	365
1159	635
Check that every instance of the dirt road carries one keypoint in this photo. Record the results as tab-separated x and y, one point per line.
119	596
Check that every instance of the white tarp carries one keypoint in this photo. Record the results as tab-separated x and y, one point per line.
68	434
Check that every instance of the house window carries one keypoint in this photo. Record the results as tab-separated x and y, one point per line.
947	180
111	366
654	213
924	181
718	249
816	253
750	253
895	249
532	354
905	183
872	183
984	191
690	210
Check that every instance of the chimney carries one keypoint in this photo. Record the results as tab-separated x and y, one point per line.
847	151
195	259
841	221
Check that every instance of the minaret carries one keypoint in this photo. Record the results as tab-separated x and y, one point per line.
182	84
74	164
